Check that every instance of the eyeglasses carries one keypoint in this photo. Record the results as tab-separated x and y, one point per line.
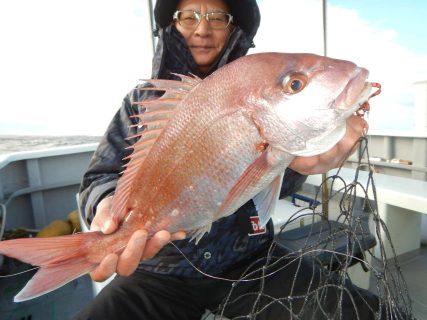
191	19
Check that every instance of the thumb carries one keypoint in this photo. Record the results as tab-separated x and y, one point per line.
103	219
109	226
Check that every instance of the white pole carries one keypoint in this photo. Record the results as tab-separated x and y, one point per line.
325	189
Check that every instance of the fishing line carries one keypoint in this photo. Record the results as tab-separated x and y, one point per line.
243	279
19	273
355	225
271	273
309	252
2	228
2	219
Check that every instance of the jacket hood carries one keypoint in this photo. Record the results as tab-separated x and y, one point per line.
245	13
172	54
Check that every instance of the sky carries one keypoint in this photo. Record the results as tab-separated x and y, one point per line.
65	65
392	34
363	32
406	17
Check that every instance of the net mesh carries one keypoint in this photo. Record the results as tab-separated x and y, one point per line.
317	259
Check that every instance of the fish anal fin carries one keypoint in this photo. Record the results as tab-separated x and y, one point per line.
198	234
265	201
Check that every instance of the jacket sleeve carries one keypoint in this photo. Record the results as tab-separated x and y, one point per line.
292	182
104	169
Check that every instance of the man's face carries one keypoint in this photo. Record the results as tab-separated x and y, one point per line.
205	42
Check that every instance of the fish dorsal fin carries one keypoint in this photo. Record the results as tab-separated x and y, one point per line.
172	88
152	121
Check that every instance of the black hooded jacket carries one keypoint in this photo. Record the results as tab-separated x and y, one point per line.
228	241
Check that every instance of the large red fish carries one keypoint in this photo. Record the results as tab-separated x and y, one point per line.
209	146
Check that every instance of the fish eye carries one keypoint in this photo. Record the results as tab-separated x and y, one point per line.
294	83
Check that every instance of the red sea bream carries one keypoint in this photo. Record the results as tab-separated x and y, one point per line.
208	146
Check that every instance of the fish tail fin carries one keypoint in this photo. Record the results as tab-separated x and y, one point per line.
61	260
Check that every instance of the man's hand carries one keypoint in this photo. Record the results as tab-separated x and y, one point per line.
138	248
333	158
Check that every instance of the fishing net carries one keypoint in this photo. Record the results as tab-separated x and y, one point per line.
317	259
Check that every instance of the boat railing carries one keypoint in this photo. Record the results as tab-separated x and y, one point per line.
37	187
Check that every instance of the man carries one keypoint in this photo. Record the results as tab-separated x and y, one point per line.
198	37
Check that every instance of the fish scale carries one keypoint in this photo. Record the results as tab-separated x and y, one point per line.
217	166
172	153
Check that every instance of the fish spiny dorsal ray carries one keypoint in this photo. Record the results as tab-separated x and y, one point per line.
172	88
152	121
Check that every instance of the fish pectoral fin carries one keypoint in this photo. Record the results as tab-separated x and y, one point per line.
198	234
265	201
256	177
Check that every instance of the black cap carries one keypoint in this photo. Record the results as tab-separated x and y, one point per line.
245	14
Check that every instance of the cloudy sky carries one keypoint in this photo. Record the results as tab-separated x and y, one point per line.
65	66
384	36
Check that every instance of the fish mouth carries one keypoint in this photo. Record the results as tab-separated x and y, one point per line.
355	93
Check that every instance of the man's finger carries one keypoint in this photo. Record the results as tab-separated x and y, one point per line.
106	268
131	256
102	216
109	226
157	242
180	235
358	125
